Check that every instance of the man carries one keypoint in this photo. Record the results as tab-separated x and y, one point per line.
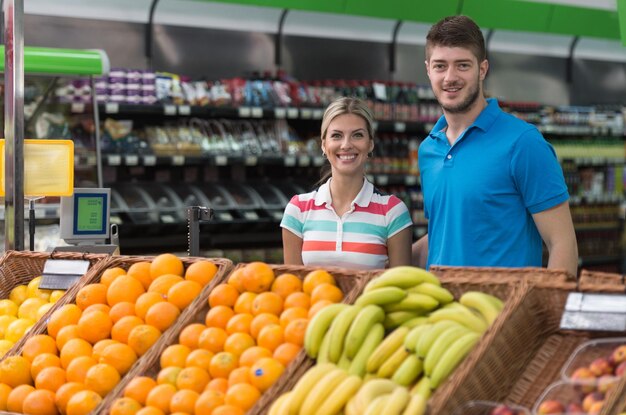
493	187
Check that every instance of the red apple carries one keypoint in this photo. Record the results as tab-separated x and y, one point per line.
620	370
619	354
606	383
586	378
550	407
591	399
600	366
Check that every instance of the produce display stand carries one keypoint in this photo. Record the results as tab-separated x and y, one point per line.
543	276
350	282
601	282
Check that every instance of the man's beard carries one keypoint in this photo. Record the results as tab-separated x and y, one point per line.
466	105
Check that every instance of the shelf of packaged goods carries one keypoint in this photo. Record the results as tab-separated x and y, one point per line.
393	179
600	259
43	211
598	226
594	161
211	160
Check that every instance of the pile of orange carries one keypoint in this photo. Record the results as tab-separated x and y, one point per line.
254	327
91	344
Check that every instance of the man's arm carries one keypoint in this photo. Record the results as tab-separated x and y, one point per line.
292	248
557	231
419	254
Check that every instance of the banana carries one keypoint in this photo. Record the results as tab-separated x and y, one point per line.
378	405
415	321
339	397
408	371
350	408
305	384
440	345
381	296
398	400
371	342
386	348
429	336
337	331
322	355
422	388
402	277
397	318
413	302
464	316
452	357
417	405
487	305
319	324
321	390
442	295
344	362
387	369
280	405
362	324
411	339
371	390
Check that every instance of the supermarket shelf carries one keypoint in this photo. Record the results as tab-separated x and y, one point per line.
393	179
600	259
591	227
594	161
210	160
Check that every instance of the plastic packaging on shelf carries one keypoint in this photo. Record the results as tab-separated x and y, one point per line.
598	360
490	408
573	398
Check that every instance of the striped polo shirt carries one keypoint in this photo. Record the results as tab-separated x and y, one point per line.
358	239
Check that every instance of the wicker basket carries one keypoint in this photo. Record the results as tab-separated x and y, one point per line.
601	282
351	283
20	267
542	276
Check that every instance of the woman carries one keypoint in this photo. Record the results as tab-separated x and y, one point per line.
346	222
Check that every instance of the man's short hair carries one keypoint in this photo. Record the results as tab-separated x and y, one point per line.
457	31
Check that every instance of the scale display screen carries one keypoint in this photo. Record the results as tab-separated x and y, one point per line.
90	211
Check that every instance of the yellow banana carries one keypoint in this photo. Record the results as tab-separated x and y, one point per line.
337	331
440	345
381	296
321	390
415	302
344	362
280	405
439	293
319	324
387	369
371	342
371	390
487	305
397	318
350	408
339	397
409	371
465	317
415	321
378	405
322	354
422	388
362	324
398	400
417	405
411	339
402	277
386	348
452	357
306	383
429	336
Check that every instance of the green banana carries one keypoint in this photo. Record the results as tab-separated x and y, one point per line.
402	277
363	322
487	305
305	384
319	324
386	348
452	357
371	342
322	355
378	405
371	390
337	331
440	345
381	296
465	317
415	321
422	388
398	400
413	302
409	370
427	339
339	397
344	362
387	369
442	295
397	318
417	405
321	390
411	339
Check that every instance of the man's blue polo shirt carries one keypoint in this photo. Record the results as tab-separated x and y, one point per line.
480	193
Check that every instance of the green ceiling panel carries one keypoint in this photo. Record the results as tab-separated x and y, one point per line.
509	15
411	10
328	6
584	22
621	14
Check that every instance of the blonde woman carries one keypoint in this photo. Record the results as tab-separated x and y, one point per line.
346	221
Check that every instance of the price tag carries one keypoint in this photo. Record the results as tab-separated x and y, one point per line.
399	127
257	112
167	219
149	160
292	113
77	160
184	109
290	161
410	180
304	161
277	215
111	108
91	160
250	215
370	178
40	213
169	109
114	159
306	113
245	112
382	179
318	114
380	92
318	161
280	113
251	160
375	125
221	160
225	216
78	107
131	160
178	160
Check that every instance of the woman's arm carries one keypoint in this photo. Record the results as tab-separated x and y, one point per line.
399	248
292	248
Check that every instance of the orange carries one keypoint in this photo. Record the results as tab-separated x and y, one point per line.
162	315
42	361
66	333
37	345
97	307
99	347
67	314
166	264
190	334
50	378
120	356
141	272
315	278
150	410
193	378
124	288
199	358
267	302
239	323
95	326
78	367
40	402
244	303
292	314
147	300
239	375
17	396
223	294
295	331
160	397
83	402
217	385
139	387
163	283
252	355
265	372
286	284
168	375
120	310
184	401
183	293
4	396
286	352
111	274
235	280
74	348
174	355
201	272
101	378
122	328
228	410
15	371
208	401
242	395
91	294
257	277
270	337
124	406
222	364
65	392
260	321
212	339
218	316
328	292
317	307
299	299
142	337
237	343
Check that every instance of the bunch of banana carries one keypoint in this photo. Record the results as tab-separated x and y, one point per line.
383	396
